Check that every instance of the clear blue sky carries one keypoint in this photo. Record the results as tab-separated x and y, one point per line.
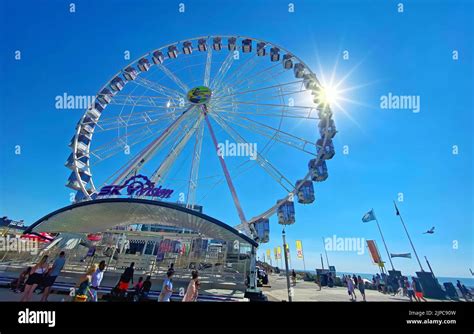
391	151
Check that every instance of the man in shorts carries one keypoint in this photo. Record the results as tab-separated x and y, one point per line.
51	276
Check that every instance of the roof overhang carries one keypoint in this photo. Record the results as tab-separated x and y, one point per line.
105	214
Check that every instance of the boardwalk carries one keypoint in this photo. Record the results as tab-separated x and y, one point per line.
308	291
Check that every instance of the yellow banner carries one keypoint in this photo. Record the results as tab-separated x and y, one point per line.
269	254
278	252
299	249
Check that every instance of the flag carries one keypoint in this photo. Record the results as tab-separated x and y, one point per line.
396	209
368	216
278	252
405	255
374	252
269	255
299	249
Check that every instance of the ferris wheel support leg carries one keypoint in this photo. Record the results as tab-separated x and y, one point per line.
226	171
253	293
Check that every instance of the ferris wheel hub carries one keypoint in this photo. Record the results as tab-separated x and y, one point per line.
199	95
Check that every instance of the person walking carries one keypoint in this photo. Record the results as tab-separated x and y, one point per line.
350	288
35	278
96	279
167	288
318	282
418	290
146	287
377	282
293	276
410	290
125	279
138	285
52	274
193	286
361	284
83	292
354	278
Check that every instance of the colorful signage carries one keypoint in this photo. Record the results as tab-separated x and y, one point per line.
138	185
299	249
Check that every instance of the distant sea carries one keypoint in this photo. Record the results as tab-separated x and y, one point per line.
469	282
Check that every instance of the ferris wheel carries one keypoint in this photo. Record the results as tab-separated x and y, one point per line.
211	117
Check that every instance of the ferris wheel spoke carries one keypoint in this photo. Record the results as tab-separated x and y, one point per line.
123	139
281	93
237	72
142	118
285	113
272	105
156	87
256	77
141	158
242	168
264	163
194	173
187	132
173	77
120	145
256	89
262	76
207	71
283	137
225	66
157	102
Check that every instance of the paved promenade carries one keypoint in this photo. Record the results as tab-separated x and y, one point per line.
309	291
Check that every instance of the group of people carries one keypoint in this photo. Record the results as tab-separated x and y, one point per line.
89	283
399	286
352	283
192	290
42	275
143	287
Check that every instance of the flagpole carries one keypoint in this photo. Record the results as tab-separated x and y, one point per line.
302	253
325	251
386	248
408	235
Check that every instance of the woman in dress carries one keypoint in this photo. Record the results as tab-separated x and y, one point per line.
193	288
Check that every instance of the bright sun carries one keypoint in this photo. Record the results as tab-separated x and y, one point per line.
329	95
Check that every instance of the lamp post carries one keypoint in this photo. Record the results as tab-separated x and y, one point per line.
290	298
